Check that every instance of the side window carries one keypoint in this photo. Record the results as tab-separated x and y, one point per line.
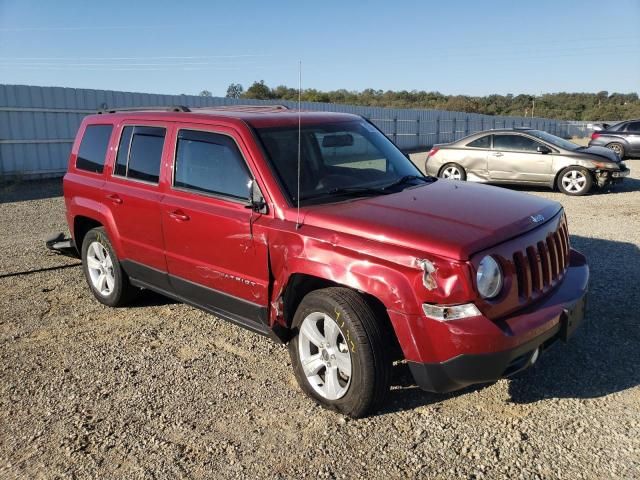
633	127
482	142
93	148
516	143
210	163
140	153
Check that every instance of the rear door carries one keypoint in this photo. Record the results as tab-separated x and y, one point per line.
633	136
514	158
133	194
216	253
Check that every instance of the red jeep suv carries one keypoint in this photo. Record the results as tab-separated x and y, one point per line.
315	230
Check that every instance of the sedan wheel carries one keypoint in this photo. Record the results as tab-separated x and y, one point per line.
324	356
453	171
617	148
575	181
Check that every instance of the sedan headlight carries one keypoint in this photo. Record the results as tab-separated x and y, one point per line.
489	277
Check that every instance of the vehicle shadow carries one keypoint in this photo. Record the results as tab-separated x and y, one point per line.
603	356
22	191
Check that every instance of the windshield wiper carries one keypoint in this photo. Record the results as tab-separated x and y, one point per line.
347	191
408	178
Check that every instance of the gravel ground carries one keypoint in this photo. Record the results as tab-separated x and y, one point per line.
162	390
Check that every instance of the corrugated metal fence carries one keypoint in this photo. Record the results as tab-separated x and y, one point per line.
38	124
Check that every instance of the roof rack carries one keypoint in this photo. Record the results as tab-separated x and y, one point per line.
172	108
245	108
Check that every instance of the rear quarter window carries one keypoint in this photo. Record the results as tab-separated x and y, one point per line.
482	142
93	148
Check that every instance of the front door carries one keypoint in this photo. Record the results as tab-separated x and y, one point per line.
514	158
215	257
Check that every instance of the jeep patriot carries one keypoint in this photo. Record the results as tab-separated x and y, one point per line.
315	230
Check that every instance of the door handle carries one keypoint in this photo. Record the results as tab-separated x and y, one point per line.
179	215
497	154
114	198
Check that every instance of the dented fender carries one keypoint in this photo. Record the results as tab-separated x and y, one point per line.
393	275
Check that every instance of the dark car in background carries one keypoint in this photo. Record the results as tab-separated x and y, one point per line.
623	138
526	157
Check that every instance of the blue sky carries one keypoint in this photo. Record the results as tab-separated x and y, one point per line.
455	47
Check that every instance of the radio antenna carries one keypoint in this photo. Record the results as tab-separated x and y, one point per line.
299	139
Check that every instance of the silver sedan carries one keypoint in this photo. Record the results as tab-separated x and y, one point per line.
527	157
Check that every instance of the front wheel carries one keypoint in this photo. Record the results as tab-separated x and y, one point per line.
575	181
453	171
339	355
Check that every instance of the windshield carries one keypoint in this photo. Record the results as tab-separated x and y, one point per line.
552	139
337	159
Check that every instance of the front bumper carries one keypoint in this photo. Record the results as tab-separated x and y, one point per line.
606	177
523	337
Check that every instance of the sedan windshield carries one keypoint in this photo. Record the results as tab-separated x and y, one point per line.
338	160
553	140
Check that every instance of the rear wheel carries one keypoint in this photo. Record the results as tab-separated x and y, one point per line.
105	276
575	181
339	355
453	171
618	148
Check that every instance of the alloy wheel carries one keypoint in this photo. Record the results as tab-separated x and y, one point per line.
452	173
100	268
574	181
324	356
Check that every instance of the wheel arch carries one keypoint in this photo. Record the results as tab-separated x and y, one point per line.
301	284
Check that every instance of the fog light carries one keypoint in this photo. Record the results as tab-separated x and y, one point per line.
444	313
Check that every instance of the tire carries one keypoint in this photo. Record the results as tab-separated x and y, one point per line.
453	171
359	337
618	148
575	181
108	281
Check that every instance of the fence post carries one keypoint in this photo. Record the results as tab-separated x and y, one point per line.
454	127
418	132
466	125
437	129
494	123
395	130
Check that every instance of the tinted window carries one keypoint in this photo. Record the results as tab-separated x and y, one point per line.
482	142
123	152
514	142
211	163
93	148
633	127
145	153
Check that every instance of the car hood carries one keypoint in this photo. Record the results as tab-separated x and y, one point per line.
602	152
447	218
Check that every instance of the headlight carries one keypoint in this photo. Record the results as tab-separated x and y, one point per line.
489	277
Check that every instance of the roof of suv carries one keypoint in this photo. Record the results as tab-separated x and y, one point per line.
254	115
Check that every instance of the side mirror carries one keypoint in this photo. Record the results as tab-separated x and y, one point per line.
543	149
256	200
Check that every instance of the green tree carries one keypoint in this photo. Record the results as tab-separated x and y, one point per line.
259	91
234	90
